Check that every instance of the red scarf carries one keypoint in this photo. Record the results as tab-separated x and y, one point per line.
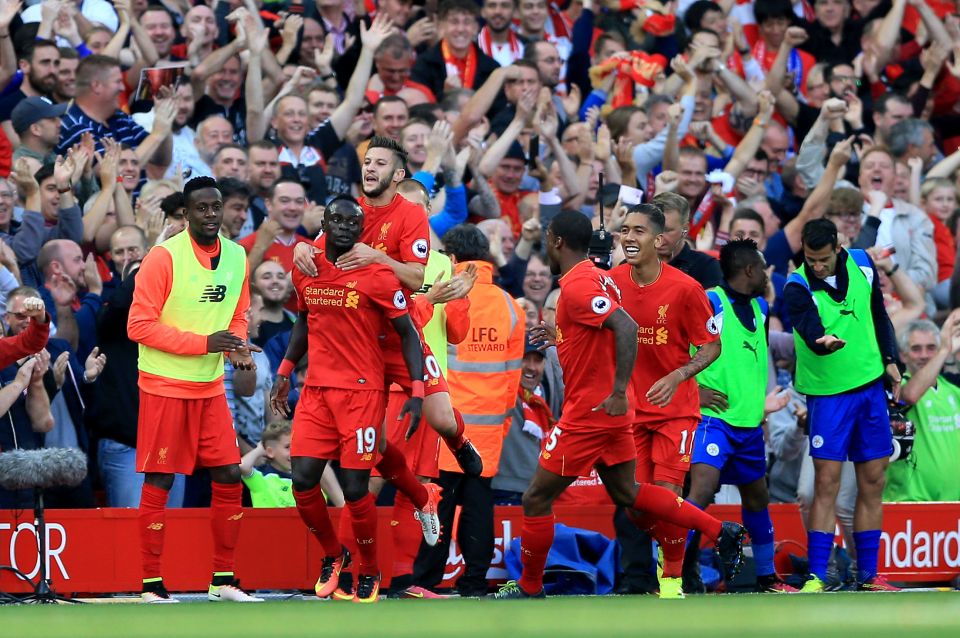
536	409
510	207
466	67
703	215
486	42
640	68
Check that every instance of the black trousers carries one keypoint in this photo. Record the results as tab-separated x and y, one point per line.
637	566
474	534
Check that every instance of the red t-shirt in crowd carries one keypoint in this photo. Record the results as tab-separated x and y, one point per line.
586	349
946	248
672	314
346	310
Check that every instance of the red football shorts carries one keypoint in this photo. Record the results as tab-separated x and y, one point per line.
664	450
396	372
573	450
333	423
176	436
422	451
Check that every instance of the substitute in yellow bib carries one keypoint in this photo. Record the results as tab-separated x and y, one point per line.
189	307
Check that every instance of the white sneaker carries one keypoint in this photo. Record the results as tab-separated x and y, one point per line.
220	593
428	517
155	598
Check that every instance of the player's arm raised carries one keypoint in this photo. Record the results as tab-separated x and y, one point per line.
624	329
413	356
295	351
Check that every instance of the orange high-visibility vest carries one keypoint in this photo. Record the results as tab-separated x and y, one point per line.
483	370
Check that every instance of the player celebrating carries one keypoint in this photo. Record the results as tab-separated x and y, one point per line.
342	404
396	234
673	314
592	332
189	306
845	345
728	445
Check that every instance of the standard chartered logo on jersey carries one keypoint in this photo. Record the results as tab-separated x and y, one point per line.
331	296
651	336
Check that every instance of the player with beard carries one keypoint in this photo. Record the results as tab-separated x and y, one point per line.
396	234
596	341
673	314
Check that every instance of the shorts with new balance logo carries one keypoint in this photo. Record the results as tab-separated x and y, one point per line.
338	424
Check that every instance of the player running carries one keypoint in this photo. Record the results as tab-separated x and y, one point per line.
728	446
673	314
342	404
592	332
189	305
396	234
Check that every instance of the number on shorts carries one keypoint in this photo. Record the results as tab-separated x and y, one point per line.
683	441
366	440
433	368
552	443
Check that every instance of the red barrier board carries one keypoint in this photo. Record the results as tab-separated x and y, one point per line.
97	551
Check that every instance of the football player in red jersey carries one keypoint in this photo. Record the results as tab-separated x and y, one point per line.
397	235
672	313
595	430
342	405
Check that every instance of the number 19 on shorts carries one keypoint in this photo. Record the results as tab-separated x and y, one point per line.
366	440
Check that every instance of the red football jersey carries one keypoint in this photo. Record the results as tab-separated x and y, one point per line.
346	314
400	229
672	314
587	350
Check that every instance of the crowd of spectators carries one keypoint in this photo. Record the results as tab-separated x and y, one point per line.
748	119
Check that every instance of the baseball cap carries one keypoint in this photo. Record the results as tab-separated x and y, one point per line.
531	345
32	110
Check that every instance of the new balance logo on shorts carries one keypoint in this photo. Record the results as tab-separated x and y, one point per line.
213	294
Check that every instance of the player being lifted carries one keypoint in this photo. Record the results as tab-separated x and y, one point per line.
342	404
728	446
396	234
189	306
673	315
597	344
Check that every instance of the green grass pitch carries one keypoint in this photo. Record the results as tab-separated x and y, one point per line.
772	616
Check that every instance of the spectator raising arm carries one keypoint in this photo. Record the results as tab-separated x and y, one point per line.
750	144
816	204
8	57
156	149
372	37
498	150
256	115
786	102
926	377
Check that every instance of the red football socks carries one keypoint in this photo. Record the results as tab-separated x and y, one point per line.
345	534
536	537
456	441
673	542
225	515
312	507
393	468
364	516
152	521
406	533
666	506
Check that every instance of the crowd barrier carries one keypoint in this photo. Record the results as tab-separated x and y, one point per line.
97	551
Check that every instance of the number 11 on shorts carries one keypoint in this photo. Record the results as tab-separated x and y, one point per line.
366	440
